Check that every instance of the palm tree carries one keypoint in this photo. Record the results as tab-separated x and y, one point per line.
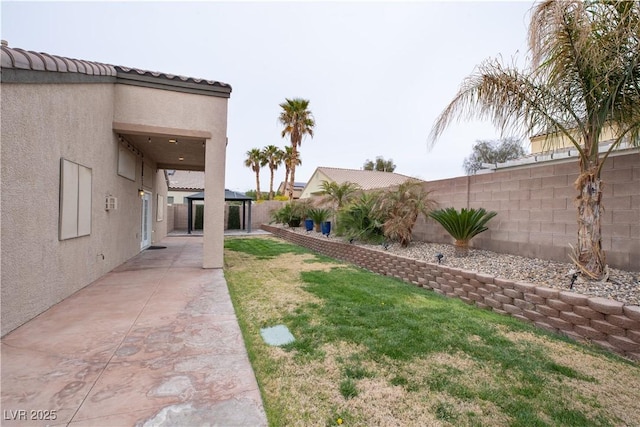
288	160
584	77
255	161
298	121
338	194
400	208
272	155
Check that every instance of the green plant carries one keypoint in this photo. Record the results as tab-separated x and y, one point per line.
318	215
463	225
291	213
359	219
234	217
400	207
580	83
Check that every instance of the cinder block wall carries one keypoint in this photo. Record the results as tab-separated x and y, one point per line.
610	324
537	216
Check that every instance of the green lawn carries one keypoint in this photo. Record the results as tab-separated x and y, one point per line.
371	350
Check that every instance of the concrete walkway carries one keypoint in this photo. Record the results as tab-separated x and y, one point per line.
155	342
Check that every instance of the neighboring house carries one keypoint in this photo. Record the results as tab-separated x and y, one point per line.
182	184
297	189
366	180
557	148
84	145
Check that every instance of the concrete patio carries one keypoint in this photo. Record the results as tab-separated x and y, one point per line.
155	342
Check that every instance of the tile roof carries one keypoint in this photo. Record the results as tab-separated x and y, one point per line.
186	180
367	180
38	61
29	60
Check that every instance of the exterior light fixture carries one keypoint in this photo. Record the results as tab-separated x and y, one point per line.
439	256
181	158
140	192
173	141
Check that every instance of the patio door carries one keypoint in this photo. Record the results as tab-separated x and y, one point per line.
146	221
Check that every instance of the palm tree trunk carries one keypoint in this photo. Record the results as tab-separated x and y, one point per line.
294	158
271	186
589	255
286	181
258	193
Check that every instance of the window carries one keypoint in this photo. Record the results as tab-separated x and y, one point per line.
75	200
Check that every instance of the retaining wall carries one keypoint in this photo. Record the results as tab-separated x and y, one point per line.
608	323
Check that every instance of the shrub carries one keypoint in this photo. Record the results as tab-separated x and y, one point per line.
318	215
234	217
291	213
359	219
463	225
400	208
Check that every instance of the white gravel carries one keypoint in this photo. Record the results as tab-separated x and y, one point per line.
623	286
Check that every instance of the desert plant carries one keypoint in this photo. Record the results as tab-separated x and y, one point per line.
291	213
400	207
463	225
318	215
360	220
582	80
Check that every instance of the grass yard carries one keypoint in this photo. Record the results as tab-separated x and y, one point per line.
374	351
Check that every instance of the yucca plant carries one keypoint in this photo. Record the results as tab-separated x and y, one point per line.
463	225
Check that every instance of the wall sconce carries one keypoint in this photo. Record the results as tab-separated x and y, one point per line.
140	192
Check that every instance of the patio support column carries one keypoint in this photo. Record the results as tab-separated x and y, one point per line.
213	230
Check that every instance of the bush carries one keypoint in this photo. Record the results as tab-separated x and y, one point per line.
318	215
359	220
234	217
463	225
400	207
291	213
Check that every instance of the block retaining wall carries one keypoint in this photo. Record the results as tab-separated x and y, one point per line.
607	323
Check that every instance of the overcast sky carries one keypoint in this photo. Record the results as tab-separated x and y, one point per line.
377	74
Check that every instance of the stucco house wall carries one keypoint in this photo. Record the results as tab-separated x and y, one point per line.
76	115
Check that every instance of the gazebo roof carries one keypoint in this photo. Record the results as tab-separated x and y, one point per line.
228	195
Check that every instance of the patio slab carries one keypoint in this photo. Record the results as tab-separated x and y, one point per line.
154	342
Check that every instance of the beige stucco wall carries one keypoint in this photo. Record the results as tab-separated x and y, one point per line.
314	185
42	123
542	143
152	107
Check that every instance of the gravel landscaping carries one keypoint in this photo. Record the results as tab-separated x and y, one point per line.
622	286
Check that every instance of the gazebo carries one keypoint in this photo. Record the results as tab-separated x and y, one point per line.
228	196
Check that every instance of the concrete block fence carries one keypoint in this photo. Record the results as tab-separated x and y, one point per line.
607	323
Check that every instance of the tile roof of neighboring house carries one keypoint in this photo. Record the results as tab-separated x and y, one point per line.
186	180
15	58
367	180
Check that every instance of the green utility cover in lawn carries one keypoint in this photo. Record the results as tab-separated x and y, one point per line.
277	335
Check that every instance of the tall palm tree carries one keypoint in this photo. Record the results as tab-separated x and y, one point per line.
255	161
288	160
584	77
298	121
273	157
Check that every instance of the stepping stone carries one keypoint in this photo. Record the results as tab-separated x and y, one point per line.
277	335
